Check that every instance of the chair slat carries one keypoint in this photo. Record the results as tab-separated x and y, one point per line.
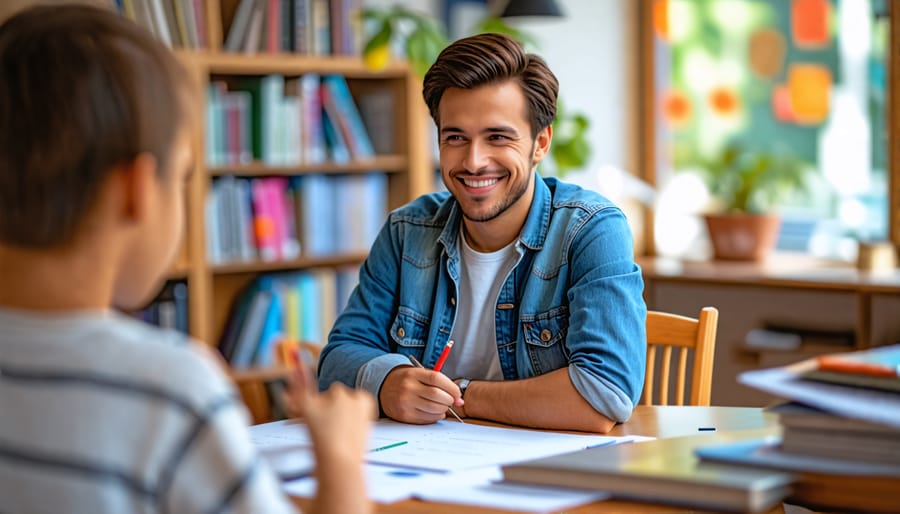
648	378
664	376
682	373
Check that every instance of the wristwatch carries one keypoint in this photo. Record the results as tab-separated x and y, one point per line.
463	385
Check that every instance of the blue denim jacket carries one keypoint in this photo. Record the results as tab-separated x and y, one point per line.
574	298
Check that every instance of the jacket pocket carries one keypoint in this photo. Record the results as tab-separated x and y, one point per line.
545	337
409	331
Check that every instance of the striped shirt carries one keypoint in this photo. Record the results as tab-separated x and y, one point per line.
101	413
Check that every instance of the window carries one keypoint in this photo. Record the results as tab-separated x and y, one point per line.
805	80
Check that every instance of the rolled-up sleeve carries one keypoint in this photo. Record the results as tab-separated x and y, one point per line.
606	339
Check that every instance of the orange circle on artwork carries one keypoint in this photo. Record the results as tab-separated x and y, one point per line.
724	101
676	108
766	52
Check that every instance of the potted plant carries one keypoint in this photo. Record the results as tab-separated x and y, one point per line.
746	185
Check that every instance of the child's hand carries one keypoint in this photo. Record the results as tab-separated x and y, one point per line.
338	419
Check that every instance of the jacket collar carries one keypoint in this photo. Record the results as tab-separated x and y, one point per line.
533	233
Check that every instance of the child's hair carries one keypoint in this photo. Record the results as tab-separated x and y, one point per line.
83	90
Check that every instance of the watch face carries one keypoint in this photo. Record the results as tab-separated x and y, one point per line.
463	384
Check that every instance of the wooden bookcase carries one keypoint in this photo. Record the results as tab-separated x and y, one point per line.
213	287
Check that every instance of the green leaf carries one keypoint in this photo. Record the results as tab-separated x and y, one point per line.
381	38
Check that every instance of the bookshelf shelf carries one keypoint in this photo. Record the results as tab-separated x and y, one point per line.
288	64
382	163
328	261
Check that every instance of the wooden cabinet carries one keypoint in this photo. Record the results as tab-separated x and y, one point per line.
823	307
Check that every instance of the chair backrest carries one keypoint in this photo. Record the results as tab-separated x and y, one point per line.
667	331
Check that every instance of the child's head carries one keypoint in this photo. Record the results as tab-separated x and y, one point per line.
94	121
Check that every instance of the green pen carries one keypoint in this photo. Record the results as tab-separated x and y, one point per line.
389	446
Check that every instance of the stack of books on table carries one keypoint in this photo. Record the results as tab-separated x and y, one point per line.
840	430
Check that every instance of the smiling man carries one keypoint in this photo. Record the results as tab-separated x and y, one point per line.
533	279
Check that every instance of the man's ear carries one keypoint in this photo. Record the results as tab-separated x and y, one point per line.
542	144
137	184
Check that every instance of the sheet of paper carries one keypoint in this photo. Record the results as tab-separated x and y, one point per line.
482	488
853	402
383	484
449	446
444	446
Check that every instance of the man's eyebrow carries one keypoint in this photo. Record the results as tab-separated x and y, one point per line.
501	129
451	130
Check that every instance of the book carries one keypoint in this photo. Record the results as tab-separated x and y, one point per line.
819	482
878	368
789	382
659	471
809	431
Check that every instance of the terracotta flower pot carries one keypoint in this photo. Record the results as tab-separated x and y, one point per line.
743	237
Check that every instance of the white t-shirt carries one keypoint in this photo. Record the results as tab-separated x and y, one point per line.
100	413
474	335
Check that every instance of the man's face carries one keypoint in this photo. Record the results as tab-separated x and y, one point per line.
487	152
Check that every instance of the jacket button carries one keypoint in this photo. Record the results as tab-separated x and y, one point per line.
545	335
401	332
452	301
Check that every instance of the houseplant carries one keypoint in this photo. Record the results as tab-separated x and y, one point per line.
746	185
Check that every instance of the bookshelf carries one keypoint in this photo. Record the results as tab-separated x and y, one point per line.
214	286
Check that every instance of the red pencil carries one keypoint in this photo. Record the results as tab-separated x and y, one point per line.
443	357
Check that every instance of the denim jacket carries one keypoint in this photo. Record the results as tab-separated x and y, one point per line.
574	298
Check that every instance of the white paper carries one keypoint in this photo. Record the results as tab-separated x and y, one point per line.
482	488
852	402
383	484
450	446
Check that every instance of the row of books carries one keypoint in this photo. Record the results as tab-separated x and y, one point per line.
177	23
300	306
313	27
169	309
281	121
282	218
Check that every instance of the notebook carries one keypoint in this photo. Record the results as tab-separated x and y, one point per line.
661	471
878	368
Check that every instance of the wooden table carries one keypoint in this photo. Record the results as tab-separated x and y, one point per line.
656	421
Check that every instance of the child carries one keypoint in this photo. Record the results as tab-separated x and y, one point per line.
98	412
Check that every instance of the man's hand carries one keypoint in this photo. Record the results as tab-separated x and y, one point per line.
416	395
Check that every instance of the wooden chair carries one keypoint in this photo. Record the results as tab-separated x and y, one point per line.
668	331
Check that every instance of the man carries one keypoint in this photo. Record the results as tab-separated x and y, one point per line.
534	280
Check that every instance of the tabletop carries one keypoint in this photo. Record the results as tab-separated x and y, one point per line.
655	421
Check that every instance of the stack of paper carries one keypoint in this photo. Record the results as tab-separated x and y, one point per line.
444	462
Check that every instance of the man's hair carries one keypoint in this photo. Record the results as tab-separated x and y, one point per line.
491	58
83	90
